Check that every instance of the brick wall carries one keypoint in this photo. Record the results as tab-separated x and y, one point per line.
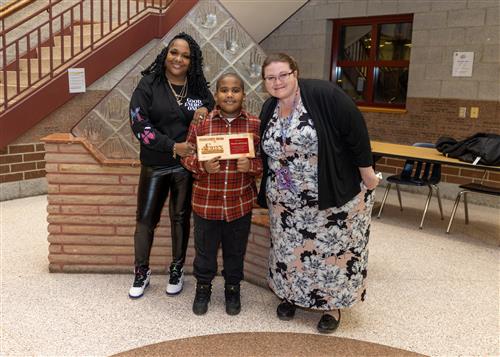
22	162
91	216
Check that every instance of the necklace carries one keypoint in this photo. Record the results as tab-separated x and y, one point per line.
179	97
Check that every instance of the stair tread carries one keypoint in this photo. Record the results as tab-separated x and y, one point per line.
40	67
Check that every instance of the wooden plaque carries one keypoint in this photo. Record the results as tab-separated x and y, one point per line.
231	146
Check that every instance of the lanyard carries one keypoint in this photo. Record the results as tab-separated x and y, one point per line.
288	122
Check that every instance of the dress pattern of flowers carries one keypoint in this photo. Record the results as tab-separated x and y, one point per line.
318	258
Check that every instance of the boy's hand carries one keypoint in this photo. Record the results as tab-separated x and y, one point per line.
212	166
243	164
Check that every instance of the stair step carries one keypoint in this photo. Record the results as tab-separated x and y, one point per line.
76	41
11	91
23	90
23	77
23	64
85	29
57	52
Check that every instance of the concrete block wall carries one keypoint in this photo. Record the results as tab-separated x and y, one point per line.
91	215
452	26
440	27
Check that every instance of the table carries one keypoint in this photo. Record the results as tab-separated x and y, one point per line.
432	155
399	151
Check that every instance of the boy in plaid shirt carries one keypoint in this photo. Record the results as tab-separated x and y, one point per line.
224	193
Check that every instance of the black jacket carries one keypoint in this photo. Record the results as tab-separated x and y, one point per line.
343	142
483	147
158	122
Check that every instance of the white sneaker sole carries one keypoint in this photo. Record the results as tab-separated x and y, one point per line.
138	296
170	291
173	294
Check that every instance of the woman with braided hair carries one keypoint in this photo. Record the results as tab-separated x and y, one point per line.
172	91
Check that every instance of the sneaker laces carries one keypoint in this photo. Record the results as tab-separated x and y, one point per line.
202	293
141	274
175	275
232	294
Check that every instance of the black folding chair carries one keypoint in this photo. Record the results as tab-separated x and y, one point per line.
467	188
416	173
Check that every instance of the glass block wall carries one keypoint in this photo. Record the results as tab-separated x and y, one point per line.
226	48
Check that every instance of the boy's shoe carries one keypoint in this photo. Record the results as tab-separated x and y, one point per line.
176	280
233	301
141	282
202	298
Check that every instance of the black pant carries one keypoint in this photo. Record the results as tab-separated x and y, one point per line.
153	190
208	234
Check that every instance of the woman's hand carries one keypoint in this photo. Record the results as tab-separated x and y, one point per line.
184	149
370	179
212	166
199	115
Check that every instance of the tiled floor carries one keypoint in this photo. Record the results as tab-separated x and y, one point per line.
428	292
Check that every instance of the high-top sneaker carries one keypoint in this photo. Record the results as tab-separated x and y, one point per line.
141	281
233	302
176	280
202	298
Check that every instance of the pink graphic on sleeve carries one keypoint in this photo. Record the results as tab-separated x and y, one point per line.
147	135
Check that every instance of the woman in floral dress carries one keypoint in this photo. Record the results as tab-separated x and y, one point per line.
318	185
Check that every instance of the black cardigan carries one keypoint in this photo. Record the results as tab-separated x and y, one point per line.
343	142
161	119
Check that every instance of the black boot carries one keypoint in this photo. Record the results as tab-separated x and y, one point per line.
328	323
285	310
202	298
233	302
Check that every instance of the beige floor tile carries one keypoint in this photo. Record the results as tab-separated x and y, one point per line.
428	292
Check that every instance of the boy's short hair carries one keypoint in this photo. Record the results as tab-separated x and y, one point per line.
229	74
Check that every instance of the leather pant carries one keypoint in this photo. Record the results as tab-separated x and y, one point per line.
155	184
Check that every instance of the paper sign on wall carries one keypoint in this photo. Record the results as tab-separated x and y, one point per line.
76	79
462	64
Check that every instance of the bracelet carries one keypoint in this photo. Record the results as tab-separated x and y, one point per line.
174	151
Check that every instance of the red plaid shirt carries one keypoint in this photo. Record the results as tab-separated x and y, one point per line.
228	194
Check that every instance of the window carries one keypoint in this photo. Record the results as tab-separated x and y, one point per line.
371	57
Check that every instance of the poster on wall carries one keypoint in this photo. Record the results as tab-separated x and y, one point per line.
462	64
76	80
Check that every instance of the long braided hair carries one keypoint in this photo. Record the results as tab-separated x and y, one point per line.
196	79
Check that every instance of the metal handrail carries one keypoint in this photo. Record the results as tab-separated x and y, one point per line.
104	18
14	6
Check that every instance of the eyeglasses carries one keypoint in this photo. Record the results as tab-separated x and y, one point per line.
281	77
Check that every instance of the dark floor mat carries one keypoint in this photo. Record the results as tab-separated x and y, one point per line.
265	344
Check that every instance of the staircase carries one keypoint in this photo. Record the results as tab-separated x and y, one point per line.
35	70
39	47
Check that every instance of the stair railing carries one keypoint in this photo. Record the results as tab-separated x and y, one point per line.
55	37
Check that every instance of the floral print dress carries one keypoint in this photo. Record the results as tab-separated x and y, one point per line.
318	258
